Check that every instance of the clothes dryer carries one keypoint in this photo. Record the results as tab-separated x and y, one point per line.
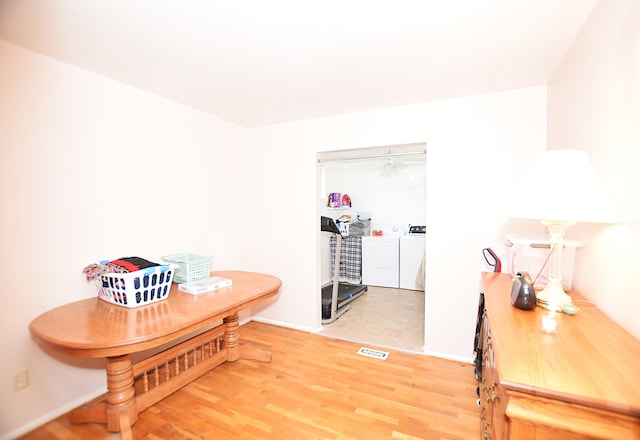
412	250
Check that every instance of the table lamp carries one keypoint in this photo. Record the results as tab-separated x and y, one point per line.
560	188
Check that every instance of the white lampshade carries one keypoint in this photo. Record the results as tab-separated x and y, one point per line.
560	189
561	185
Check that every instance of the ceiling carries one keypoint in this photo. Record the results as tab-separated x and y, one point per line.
257	62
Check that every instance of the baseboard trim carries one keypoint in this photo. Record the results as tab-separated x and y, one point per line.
286	325
25	429
465	359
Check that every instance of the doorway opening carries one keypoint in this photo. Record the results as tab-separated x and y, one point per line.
385	189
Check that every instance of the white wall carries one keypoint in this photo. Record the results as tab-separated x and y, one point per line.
476	147
393	198
92	169
75	144
594	105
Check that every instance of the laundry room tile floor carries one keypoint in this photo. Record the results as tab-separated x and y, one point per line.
384	317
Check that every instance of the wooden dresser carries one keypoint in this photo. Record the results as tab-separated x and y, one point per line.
582	382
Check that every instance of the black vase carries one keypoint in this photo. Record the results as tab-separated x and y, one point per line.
522	294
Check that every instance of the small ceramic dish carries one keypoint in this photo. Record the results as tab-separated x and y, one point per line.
570	309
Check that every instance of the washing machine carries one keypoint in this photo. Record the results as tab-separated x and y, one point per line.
381	260
412	249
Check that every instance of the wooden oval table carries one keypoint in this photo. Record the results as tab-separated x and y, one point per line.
93	328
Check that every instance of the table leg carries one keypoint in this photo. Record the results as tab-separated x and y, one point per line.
122	411
237	351
232	337
118	410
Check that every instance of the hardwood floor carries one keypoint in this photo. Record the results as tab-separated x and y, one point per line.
316	387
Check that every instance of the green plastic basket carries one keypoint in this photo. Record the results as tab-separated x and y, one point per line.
191	267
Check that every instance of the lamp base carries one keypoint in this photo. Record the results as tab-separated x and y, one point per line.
553	297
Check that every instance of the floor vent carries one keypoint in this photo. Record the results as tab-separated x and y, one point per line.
376	354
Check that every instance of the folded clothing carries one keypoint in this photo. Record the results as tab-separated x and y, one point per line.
121	265
133	263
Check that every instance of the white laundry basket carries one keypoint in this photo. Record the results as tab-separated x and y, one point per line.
135	289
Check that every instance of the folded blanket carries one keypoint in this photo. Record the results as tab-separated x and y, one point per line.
121	265
133	263
350	259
